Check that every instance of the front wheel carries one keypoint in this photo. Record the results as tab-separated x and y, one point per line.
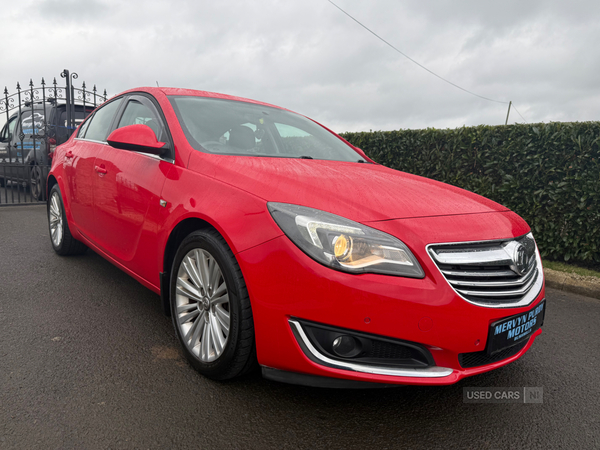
211	308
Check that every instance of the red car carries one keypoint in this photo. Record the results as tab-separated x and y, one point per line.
273	241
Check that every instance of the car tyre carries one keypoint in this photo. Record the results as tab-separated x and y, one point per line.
36	182
211	308
62	241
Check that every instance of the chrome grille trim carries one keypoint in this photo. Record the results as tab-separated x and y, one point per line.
507	293
518	282
486	273
487	257
489	273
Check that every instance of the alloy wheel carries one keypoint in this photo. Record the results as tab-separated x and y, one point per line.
202	305
56	221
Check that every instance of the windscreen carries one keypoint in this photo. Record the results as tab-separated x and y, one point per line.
238	128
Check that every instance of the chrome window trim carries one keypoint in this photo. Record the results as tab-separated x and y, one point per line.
150	155
429	372
90	140
168	160
525	301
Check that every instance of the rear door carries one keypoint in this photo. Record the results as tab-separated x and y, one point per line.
79	164
127	193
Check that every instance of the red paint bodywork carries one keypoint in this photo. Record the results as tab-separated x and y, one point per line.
116	211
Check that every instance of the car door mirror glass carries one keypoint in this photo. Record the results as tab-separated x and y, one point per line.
139	138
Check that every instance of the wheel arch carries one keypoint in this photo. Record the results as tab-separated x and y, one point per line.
50	184
176	237
54	179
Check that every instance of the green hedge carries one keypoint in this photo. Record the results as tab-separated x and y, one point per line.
547	173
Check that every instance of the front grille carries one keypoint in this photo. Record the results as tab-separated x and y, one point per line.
476	359
505	273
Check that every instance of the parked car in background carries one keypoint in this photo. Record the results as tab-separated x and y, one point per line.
28	140
271	240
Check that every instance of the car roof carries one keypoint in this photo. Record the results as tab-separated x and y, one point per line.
195	93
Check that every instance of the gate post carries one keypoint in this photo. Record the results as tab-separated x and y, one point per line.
65	74
74	76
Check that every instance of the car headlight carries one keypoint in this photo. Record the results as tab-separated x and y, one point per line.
343	244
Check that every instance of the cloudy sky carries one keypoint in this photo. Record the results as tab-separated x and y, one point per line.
311	58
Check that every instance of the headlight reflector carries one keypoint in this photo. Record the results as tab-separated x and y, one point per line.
343	244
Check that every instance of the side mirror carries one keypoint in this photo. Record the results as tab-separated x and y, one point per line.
139	138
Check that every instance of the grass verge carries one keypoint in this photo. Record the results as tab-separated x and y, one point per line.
562	267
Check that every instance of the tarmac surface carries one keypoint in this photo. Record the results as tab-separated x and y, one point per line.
15	194
88	360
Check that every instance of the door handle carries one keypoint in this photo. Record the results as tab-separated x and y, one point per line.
69	154
100	169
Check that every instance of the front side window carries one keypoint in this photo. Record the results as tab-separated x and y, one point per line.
99	125
240	128
137	113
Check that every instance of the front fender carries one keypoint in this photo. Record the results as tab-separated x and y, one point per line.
240	217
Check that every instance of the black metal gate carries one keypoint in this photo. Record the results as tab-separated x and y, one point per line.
37	120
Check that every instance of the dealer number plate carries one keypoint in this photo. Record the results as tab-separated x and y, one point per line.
512	330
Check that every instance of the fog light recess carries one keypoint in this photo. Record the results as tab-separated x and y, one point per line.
346	346
363	348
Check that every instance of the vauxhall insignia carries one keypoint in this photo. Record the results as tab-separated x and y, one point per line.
521	259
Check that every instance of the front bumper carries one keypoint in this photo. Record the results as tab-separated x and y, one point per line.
284	284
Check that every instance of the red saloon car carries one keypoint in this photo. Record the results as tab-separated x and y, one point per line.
273	241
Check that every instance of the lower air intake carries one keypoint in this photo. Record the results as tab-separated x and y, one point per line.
476	359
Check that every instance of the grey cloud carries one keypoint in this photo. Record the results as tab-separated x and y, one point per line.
309	57
69	10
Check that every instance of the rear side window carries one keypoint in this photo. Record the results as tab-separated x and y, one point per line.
100	123
82	130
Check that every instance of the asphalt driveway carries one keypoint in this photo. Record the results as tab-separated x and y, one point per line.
87	360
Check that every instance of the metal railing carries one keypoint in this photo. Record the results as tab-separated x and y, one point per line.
37	120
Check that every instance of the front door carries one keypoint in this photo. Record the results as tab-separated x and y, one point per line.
127	187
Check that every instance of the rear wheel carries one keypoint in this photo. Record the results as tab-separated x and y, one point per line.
211	308
36	182
62	241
